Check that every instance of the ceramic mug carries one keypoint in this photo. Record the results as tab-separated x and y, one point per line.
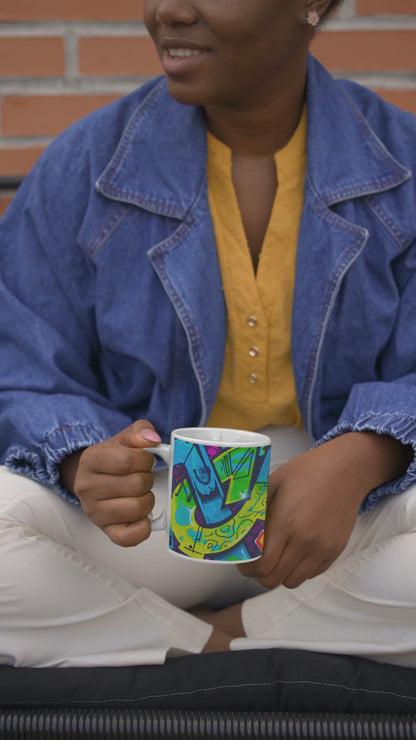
218	482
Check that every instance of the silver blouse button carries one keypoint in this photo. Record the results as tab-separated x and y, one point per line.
252	378
252	321
253	351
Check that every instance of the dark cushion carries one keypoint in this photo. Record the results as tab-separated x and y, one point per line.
254	680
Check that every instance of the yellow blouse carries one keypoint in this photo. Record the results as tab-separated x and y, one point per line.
257	385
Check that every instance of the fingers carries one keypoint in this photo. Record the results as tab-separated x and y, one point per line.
129	535
122	456
114	502
112	471
120	510
102	485
304	571
117	460
113	483
289	564
300	541
293	575
266	568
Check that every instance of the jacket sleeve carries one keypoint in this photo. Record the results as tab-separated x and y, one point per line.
384	408
388	405
52	397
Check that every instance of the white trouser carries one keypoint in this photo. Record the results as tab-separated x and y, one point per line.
69	596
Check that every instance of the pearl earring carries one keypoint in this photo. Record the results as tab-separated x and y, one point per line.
313	18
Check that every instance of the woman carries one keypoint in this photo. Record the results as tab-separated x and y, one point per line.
152	287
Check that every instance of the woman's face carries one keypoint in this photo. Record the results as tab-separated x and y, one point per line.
227	52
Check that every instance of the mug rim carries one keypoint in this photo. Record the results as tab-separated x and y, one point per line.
243	437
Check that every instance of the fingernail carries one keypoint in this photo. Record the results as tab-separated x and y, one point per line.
150	435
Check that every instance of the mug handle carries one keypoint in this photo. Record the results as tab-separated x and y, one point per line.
163	451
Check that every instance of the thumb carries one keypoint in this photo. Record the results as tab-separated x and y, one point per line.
139	434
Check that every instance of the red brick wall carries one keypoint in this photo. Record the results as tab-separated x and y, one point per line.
60	59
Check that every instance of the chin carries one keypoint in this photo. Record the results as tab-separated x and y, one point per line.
187	94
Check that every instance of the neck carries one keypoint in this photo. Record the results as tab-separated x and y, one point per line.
261	128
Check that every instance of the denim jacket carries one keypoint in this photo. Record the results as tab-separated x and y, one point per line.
111	306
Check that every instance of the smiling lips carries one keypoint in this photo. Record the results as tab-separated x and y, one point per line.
178	59
183	52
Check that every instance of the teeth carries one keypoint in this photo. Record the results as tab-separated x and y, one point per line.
183	52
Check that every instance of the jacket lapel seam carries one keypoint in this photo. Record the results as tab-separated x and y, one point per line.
102	235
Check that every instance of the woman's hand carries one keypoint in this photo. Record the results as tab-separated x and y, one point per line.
113	482
313	503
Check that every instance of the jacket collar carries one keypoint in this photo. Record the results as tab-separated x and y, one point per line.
154	165
346	159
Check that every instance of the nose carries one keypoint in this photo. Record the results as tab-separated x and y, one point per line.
175	11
